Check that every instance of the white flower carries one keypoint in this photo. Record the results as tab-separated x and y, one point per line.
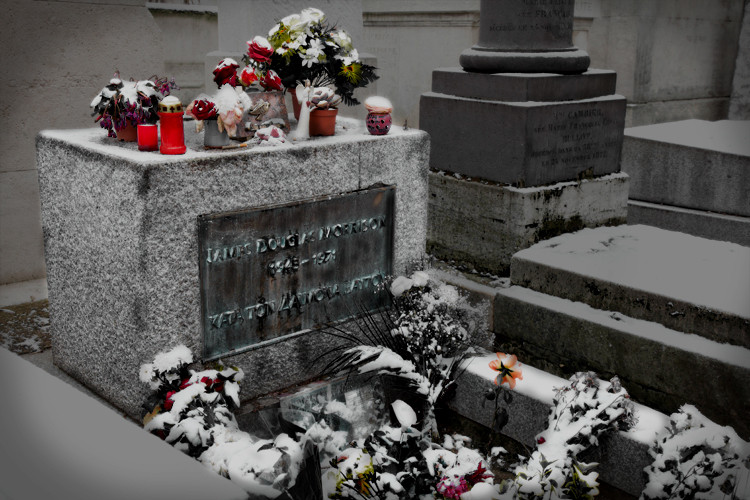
312	15
291	20
313	54
342	39
351	57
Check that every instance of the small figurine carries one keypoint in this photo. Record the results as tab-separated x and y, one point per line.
303	125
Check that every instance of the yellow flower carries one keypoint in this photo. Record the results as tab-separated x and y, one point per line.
352	72
509	368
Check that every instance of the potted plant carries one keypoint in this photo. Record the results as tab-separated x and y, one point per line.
222	113
121	106
305	47
323	105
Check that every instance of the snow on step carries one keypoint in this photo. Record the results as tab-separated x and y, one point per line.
622	458
659	366
685	282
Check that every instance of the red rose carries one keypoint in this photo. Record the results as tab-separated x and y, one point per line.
206	381
202	109
185	383
248	76
272	81
259	50
226	72
168	402
541	440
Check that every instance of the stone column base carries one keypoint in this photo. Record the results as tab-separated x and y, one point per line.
481	225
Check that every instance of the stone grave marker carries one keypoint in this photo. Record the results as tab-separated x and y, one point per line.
527	123
145	252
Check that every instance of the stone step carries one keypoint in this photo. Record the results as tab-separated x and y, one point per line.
701	223
684	282
660	367
691	163
621	455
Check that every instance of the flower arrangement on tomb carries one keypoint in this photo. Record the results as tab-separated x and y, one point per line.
123	103
336	447
304	47
227	106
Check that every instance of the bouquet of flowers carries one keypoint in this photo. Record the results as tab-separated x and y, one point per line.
120	103
227	106
304	47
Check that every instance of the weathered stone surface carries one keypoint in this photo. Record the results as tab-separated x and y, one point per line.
709	225
692	163
513	87
483	225
525	37
122	249
657	365
524	143
739	104
687	283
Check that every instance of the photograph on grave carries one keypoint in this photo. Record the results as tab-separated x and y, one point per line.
272	271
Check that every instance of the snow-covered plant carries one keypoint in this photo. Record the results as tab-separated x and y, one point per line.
698	459
192	410
120	103
422	339
583	410
324	98
188	404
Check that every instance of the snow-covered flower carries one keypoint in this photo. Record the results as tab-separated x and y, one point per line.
509	369
225	72
259	49
349	57
312	15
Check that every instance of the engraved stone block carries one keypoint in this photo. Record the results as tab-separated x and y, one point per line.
526	143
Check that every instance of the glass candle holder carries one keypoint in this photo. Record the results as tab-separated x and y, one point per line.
148	137
172	130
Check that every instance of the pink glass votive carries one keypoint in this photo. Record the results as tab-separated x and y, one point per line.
148	137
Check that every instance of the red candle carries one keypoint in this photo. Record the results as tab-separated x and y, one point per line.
148	137
172	131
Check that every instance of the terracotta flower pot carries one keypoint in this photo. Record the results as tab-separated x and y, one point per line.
323	121
128	134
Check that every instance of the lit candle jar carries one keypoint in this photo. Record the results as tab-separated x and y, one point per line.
148	137
172	131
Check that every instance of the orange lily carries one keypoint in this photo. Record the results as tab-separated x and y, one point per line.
509	368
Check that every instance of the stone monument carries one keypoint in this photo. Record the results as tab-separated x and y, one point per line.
241	255
538	131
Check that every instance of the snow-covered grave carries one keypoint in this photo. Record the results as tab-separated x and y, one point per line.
669	313
691	176
122	246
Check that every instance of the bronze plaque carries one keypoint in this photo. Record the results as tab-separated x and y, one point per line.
272	271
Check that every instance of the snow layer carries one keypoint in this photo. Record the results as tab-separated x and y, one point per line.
540	385
727	353
714	274
725	136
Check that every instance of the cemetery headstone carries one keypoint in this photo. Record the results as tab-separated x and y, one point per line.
240	255
523	112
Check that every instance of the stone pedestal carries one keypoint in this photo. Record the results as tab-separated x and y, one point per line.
122	244
524	129
523	111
